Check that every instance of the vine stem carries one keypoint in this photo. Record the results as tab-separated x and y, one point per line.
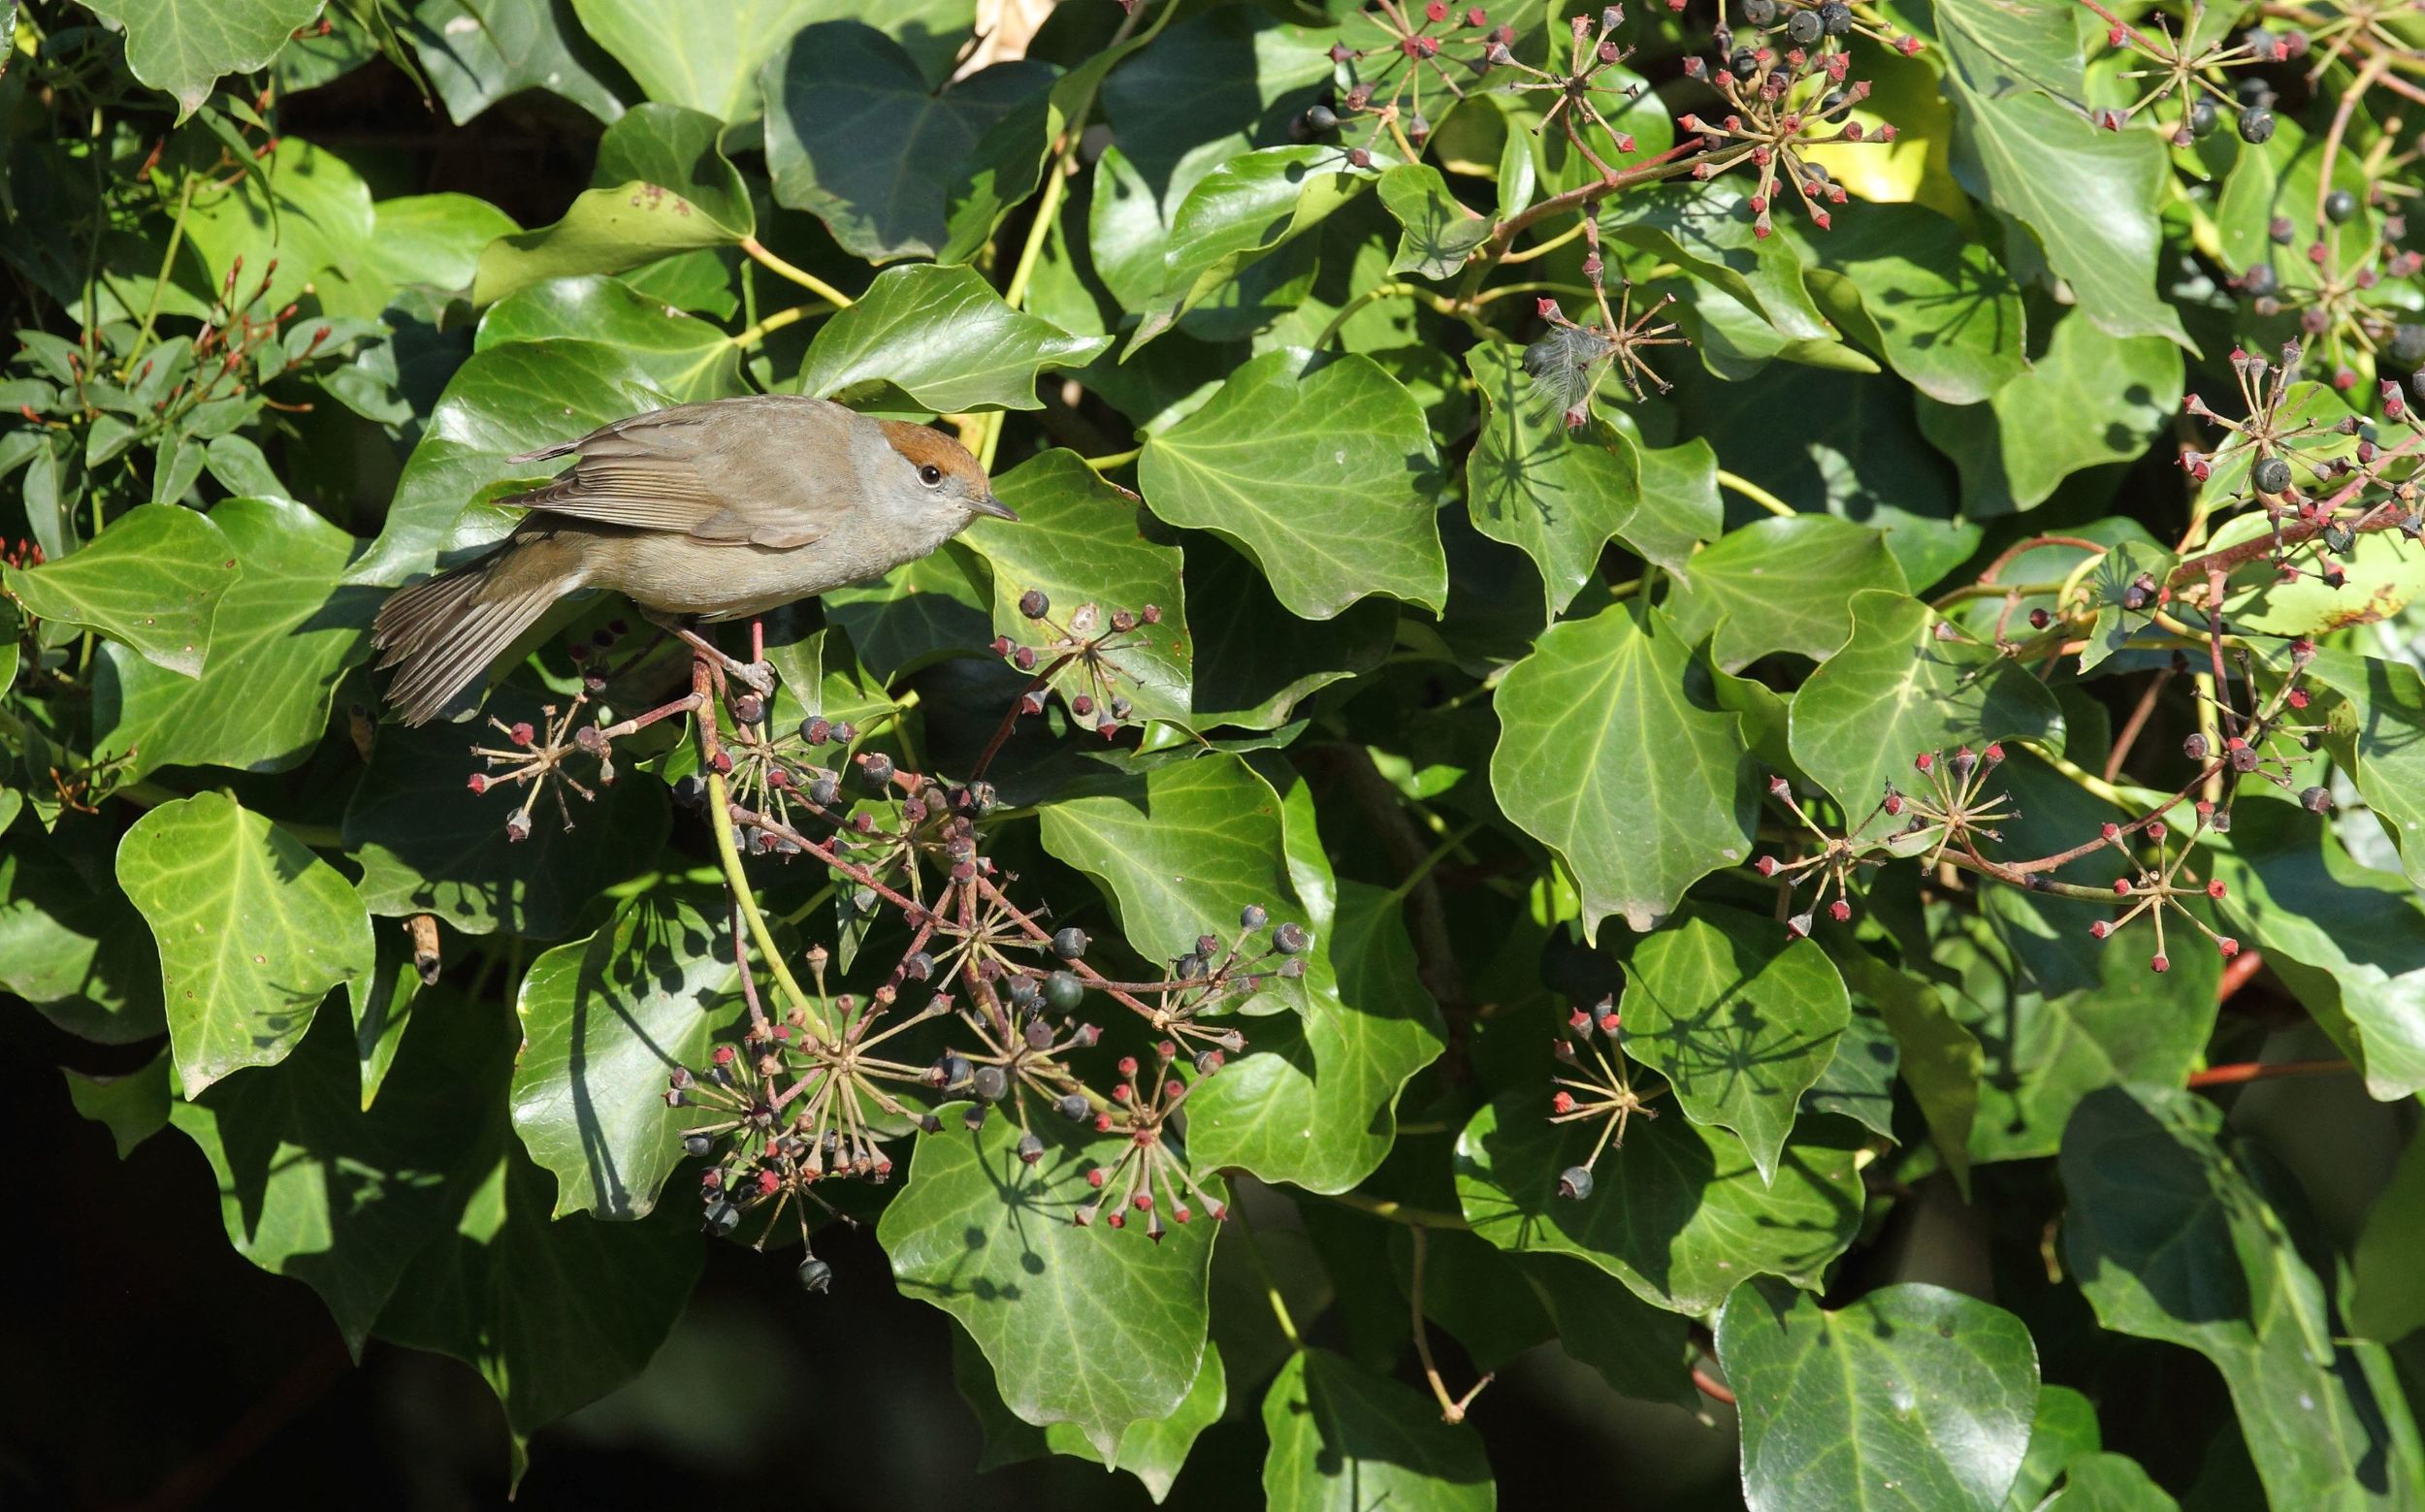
756	252
2265	1070
1451	1409
1394	1211
751	335
1756	493
168	263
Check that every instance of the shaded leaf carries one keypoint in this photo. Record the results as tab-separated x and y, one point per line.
133	1107
1781	584
1436	233
1154	1451
477	52
943	337
1346	1440
151	580
1914	287
78	954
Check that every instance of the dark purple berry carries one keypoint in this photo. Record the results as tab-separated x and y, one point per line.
1069	944
815	1276
1575	1181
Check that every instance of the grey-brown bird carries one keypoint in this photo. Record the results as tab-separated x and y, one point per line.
711	511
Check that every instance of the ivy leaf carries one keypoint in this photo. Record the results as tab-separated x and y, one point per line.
1639	1350
1738	588
1896	690
2064	1429
1152	1451
1254	661
133	1107
703	55
1941	1059
1180	851
679	355
1082	1325
1613	751
476	57
2117	576
1741	1018
1679	1213
183	45
914	616
254	931
1249	206
662	185
2382	573
314	1187
2171	1238
433	241
307	212
1346	1440
2380	723
1913	1396
1559	496
1436	233
429	844
151	580
2346	940
1078	542
77	952
2089	401
1706	229
2109	1483
508	399
1327	478
855	135
2387	1297
2090	197
943	337
1915	288
283	635
604	1022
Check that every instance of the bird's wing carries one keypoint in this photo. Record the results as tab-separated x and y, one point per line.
659	471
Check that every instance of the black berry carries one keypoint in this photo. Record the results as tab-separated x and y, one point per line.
2203	117
1805	27
2340	206
1575	1181
815	1275
1069	944
1065	991
2315	800
2271	474
1760	13
991	1084
1836	18
1073	1108
1033	605
2256	126
1290	938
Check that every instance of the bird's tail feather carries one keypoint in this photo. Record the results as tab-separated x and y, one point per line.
442	634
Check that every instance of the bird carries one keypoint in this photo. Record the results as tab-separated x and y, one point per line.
720	509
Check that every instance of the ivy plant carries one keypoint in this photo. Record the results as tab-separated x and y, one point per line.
1646	650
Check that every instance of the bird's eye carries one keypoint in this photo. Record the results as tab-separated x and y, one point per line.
930	476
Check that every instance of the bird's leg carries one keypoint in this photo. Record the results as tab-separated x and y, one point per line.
760	677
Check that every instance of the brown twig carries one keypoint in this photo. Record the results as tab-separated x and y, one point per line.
1451	1409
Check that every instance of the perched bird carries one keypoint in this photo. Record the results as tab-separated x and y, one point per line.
713	511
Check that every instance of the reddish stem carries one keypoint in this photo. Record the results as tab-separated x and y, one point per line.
2236	974
2265	1070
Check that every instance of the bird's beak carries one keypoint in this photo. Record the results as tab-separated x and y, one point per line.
994	507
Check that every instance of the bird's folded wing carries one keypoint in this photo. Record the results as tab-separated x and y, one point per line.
657	490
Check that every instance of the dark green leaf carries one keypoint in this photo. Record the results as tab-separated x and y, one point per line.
1154	1451
254	931
1679	1213
477	52
1913	1396
133	1107
1243	210
604	1022
77	952
1941	1058
2381	724
1346	1440
1741	1018
1612	751
1919	290
1639	1350
2171	1239
2064	1429
1707	230
2109	1483
1254	661
2388	1289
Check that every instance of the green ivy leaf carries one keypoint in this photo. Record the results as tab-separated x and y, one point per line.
1078	542
1247	207
662	185
1707	230
1254	661
254	931
508	399
915	615
183	45
2115	577
305	212
1740	588
1941	1059
679	355
2386	1297
1741	1017
1896	690
2109	1483
2089	401
476	57
76	950
1560	496
703	55
1679	1213
312	1186
433	241
429	844
2064	1429
2380	724
1346	1440
1639	1350
855	136
1913	1396
604	1022
1917	289
2090	197
2346	940
283	635
1613	751
153	579
1082	1325
2172	1239
941	337
1327	478
1154	1451
133	1107
1436	233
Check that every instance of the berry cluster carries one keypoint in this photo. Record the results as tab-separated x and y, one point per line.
1602	1089
1381	81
